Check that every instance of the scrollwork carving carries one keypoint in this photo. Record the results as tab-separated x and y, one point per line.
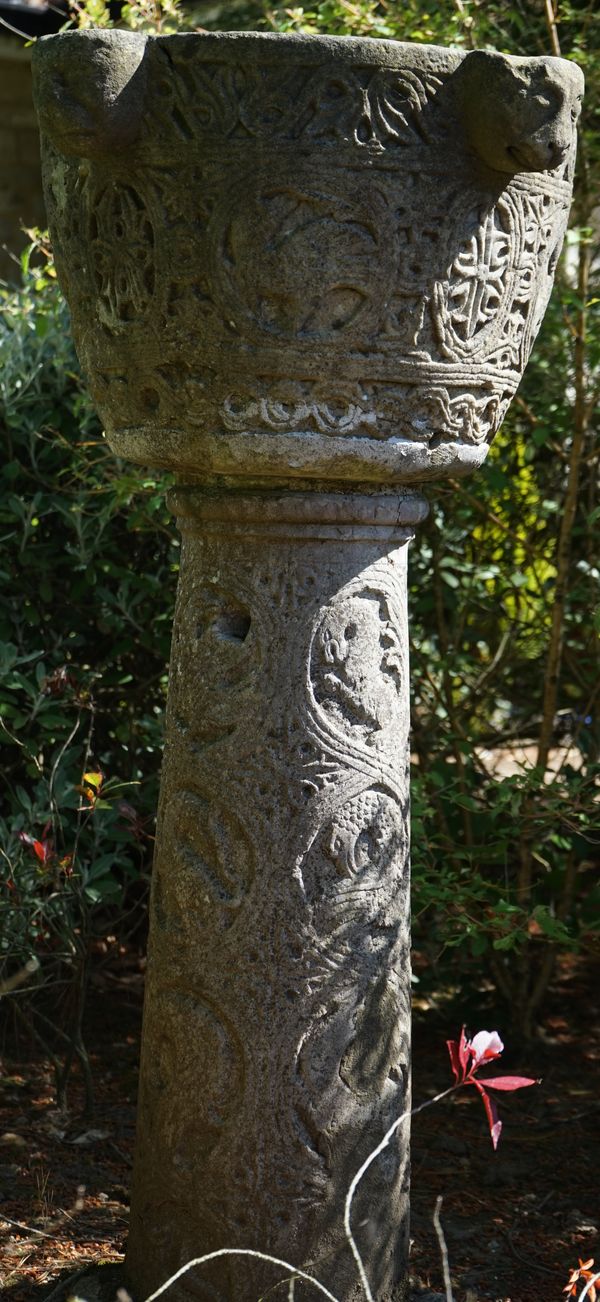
329	417
385	231
283	848
121	238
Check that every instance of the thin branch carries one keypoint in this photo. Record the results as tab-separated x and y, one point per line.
588	1287
362	1171
563	555
54	770
22	745
29	1228
552	28
241	1252
21	1014
11	983
443	1248
16	31
489	671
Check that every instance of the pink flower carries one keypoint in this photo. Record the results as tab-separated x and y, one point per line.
467	1056
484	1046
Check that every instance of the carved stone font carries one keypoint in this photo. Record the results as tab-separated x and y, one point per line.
331	255
304	274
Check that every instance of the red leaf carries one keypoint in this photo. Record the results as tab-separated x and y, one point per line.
463	1050
43	850
508	1082
494	1122
454	1058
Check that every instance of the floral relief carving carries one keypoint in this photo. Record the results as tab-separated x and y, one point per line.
421	276
400	106
381	109
385	108
121	237
477	282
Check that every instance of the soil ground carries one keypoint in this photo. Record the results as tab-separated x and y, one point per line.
515	1221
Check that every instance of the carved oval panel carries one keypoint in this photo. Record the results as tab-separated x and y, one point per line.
471	303
122	252
355	867
198	1069
304	259
364	838
215	855
356	665
216	636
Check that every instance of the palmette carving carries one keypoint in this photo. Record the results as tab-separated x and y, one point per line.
121	243
374	282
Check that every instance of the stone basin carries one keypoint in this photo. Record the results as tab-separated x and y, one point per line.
320	253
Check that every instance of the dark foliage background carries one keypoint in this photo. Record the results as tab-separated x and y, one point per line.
505	581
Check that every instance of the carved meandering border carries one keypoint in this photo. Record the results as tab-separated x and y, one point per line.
427	288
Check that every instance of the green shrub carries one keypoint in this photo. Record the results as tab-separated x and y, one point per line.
89	563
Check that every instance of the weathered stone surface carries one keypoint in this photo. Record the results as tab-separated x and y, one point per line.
297	267
277	1016
324	254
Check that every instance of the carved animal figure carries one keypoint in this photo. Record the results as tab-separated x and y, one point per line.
519	113
357	665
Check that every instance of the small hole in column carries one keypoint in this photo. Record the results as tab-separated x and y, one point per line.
150	399
232	625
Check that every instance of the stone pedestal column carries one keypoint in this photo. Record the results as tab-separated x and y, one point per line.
305	274
276	1042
